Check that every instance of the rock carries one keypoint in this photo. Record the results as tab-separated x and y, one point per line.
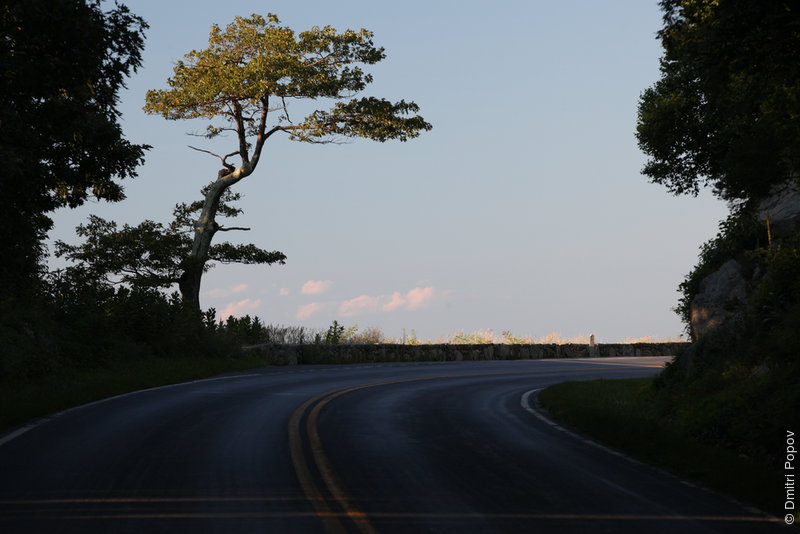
721	295
782	208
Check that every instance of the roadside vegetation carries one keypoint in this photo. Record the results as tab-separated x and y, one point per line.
67	387
635	416
90	341
336	333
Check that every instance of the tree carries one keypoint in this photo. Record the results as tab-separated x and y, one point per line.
151	255
63	64
244	81
726	111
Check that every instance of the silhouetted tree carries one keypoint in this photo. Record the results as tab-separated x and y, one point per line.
726	111
63	63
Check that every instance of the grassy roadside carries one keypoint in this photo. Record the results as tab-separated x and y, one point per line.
624	415
23	401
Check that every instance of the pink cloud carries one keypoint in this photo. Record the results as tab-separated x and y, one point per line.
412	300
361	304
237	309
315	287
221	292
419	297
307	310
395	301
239	288
284	291
216	293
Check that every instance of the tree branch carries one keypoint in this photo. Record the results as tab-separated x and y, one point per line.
221	158
240	132
262	126
286	110
206	151
225	163
228	229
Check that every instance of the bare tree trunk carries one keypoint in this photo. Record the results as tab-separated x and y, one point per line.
206	225
189	285
204	229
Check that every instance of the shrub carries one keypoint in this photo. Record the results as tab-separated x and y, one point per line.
372	335
335	334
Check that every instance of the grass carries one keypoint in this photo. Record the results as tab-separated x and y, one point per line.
488	336
624	415
480	337
256	332
21	401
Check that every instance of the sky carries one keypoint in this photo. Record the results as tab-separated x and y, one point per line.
523	210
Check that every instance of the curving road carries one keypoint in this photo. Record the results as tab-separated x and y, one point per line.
391	448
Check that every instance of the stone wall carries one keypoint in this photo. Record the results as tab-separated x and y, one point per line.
317	354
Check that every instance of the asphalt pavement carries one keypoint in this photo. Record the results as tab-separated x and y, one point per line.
454	447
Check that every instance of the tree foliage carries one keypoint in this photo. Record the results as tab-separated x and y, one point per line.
151	254
254	66
63	64
726	111
243	84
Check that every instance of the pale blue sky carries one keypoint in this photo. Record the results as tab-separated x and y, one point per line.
523	209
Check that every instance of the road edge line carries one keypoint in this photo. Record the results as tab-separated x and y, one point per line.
536	410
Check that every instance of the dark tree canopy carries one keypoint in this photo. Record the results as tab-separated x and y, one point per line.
726	111
63	64
151	254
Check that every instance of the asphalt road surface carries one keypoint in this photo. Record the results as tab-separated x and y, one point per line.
453	447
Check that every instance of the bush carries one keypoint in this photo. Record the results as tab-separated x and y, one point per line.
372	335
78	322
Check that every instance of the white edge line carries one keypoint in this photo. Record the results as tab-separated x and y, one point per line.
525	402
39	422
526	405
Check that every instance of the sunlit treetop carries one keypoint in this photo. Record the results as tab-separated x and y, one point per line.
253	68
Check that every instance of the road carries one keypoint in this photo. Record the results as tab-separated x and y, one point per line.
390	448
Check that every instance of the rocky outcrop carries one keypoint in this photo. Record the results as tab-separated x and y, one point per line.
782	209
722	294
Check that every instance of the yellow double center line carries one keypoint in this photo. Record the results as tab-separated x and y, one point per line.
324	509
339	504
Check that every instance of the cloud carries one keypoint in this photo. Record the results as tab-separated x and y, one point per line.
239	288
395	301
415	299
237	309
220	292
419	297
284	291
361	304
315	287
307	310
216	293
